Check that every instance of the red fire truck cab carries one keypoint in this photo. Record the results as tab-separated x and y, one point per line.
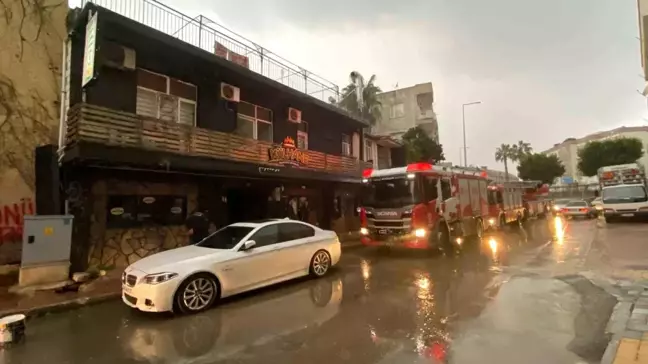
422	206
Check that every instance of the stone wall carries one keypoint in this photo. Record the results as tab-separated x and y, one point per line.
119	247
31	35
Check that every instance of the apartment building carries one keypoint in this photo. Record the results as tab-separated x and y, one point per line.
567	151
406	108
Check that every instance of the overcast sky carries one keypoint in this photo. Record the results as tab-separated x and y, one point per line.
544	70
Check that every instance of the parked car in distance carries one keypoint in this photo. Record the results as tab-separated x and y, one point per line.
559	204
578	208
237	258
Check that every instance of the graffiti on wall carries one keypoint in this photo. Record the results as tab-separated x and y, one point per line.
12	221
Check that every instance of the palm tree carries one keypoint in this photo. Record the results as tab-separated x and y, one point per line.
520	150
360	98
505	153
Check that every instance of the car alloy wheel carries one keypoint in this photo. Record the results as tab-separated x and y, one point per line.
320	263
198	294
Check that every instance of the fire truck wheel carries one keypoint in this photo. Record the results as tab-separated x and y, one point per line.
502	224
444	238
479	233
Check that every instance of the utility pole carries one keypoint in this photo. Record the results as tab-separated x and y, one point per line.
463	123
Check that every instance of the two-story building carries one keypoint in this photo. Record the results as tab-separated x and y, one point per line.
157	128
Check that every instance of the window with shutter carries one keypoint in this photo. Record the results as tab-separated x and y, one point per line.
187	113
147	103
168	108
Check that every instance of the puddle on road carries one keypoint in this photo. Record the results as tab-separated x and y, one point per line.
535	320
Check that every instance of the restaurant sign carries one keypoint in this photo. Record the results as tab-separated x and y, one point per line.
288	154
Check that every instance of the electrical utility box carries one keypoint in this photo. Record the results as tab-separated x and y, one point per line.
47	241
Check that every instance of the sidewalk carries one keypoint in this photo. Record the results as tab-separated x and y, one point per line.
100	290
40	302
622	258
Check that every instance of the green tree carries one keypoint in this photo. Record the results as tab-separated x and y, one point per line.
419	147
597	154
540	167
521	150
505	153
360	98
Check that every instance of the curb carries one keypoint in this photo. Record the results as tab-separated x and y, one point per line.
63	306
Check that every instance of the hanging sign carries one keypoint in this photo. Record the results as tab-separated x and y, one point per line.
288	154
89	51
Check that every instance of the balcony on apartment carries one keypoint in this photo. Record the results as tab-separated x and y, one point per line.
90	124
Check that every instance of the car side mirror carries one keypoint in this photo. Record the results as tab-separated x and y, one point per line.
249	245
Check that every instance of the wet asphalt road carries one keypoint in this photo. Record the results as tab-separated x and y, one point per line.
514	297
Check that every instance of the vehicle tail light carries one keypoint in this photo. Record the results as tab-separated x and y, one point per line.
583	210
363	217
563	210
367	173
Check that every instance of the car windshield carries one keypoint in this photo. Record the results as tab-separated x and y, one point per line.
577	204
225	238
624	194
389	193
562	202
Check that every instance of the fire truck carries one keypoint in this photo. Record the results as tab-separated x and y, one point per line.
623	191
422	206
536	198
514	202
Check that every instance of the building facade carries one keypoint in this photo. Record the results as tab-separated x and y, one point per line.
406	108
159	128
567	151
30	83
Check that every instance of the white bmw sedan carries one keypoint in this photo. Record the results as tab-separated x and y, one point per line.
237	258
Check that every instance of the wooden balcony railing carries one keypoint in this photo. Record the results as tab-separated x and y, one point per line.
90	123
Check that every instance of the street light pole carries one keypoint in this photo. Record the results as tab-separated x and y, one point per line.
463	123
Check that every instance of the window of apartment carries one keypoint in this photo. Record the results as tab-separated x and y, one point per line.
397	111
254	122
346	144
137	210
370	152
165	98
302	135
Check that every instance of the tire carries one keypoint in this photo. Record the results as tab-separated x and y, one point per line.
444	238
502	224
479	233
320	263
203	287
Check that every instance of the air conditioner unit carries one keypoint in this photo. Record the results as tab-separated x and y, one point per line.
294	115
230	93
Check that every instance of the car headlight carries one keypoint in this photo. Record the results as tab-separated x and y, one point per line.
491	221
420	233
556	208
159	278
598	207
364	231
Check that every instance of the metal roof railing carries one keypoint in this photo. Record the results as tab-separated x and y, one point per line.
203	33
